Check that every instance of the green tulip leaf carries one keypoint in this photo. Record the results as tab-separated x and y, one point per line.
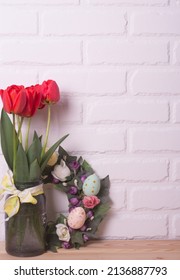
7	138
34	151
49	153
22	167
35	171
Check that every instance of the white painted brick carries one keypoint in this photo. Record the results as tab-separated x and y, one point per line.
176	112
129	2
176	226
129	169
70	109
3	168
115	51
176	53
175	3
41	51
118	196
155	82
43	2
83	21
134	225
82	138
155	23
129	110
154	139
176	170
13	21
90	81
17	76
154	197
56	201
91	139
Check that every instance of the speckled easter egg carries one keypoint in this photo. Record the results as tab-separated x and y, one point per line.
76	218
91	185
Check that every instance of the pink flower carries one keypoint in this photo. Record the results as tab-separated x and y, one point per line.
90	201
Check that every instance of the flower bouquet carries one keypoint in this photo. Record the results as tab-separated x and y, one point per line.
31	165
27	162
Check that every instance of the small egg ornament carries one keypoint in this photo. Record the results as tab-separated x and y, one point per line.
91	185
76	218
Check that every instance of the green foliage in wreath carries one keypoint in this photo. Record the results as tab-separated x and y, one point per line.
88	198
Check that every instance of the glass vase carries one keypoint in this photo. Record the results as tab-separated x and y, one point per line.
25	231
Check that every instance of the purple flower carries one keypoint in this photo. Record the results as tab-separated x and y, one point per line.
83	178
55	181
90	214
74	165
85	237
74	201
66	245
83	228
73	190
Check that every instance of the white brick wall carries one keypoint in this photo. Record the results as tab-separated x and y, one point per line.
117	63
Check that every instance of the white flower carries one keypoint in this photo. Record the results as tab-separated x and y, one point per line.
63	232
61	171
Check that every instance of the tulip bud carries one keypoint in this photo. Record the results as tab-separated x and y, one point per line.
74	201
73	190
90	214
55	181
66	245
83	178
74	165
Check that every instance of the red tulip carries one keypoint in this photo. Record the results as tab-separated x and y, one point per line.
1	91
50	93
33	95
14	99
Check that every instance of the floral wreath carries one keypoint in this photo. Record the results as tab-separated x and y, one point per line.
88	198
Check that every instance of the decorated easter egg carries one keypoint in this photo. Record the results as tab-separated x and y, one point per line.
76	218
91	185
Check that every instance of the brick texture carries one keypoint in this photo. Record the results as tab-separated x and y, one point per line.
113	51
117	64
135	226
126	110
12	24
155	81
83	21
155	23
129	2
155	140
147	197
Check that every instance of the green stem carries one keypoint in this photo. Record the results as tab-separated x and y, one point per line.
20	122
27	135
47	131
14	146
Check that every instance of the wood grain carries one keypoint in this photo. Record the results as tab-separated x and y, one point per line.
113	250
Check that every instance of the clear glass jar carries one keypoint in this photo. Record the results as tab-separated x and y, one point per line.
25	231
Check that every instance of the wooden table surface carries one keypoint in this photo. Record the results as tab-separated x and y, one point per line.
112	250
